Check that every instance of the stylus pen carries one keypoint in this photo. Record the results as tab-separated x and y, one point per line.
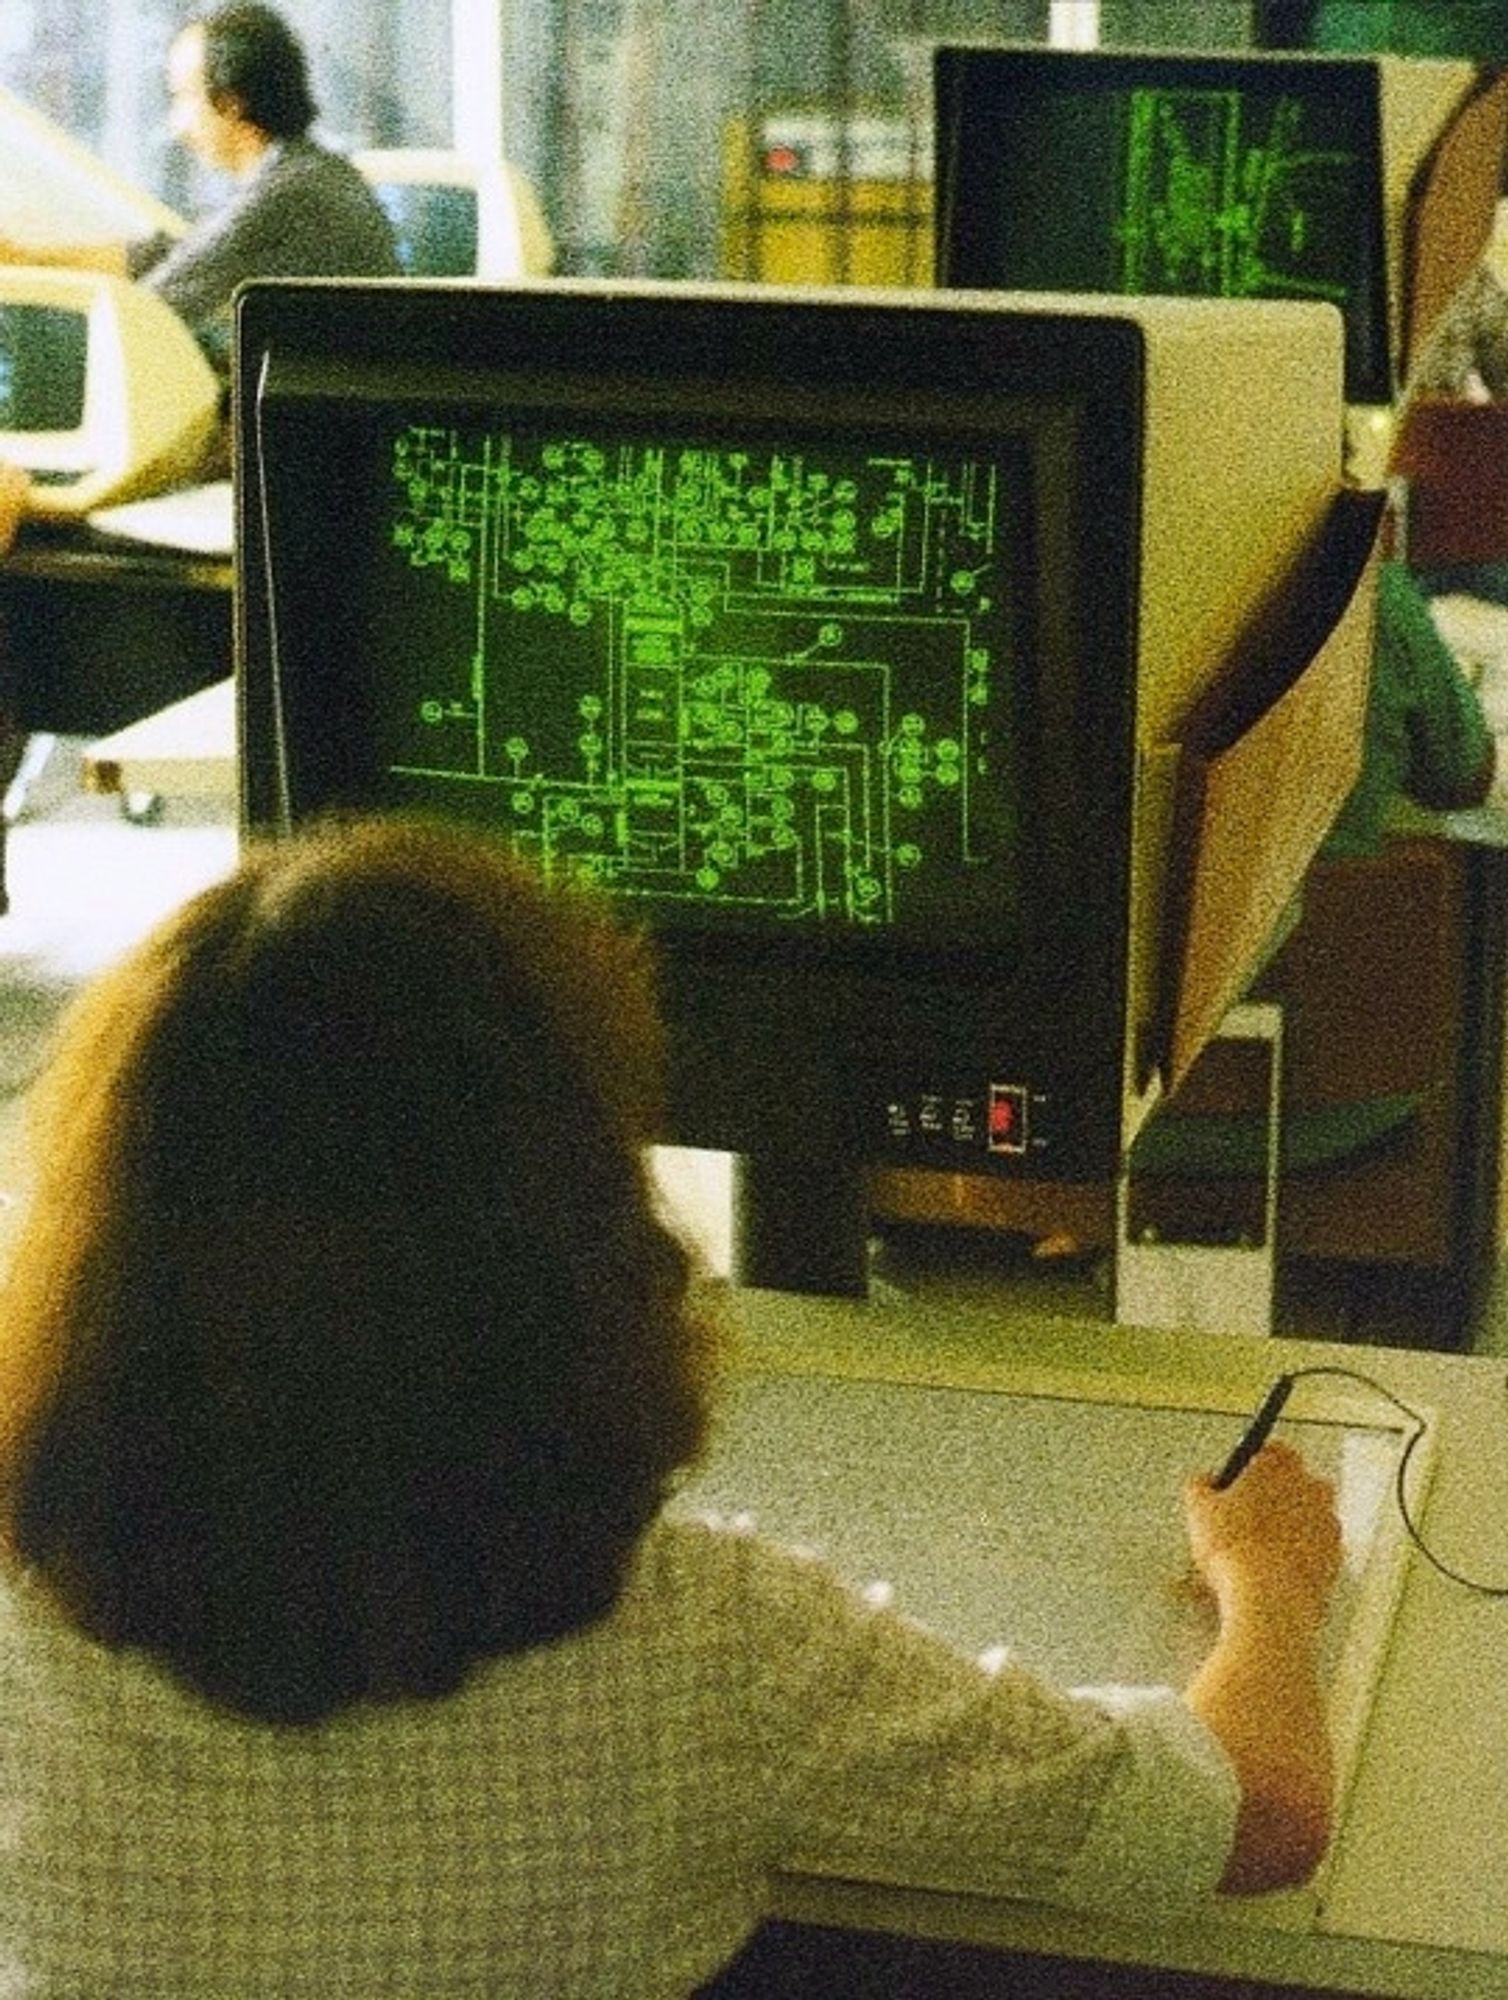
1256	1433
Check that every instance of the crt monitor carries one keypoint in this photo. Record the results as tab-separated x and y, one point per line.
104	394
44	367
1222	175
455	217
822	631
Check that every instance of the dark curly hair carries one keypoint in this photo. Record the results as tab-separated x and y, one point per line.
344	1345
252	55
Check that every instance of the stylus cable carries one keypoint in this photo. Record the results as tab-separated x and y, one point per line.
1261	1424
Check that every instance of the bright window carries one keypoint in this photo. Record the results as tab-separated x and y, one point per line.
381	75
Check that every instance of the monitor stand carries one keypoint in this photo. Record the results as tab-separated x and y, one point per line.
1210	1286
801	1222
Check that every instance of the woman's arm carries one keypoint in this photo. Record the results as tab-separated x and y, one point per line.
1268	1548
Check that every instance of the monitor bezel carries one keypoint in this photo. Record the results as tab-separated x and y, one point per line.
314	359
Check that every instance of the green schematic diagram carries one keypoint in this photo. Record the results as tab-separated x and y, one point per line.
1222	199
768	681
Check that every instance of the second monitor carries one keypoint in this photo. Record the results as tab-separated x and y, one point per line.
1283	176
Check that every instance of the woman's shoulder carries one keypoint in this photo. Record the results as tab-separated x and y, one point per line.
701	1566
783	1606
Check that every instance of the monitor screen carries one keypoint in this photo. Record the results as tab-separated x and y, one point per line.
1218	176
434	226
757	679
44	357
455	216
806	627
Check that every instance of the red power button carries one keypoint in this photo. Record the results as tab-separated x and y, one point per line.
1007	1118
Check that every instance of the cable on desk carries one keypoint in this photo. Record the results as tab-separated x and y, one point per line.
1400	1478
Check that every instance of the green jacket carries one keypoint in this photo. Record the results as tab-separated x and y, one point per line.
1427	739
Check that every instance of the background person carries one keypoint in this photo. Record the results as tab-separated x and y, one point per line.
345	1364
1426	738
1465	360
241	102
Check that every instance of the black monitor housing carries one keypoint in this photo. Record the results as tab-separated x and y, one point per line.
838	638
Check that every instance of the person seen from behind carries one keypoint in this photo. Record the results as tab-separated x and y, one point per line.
347	1365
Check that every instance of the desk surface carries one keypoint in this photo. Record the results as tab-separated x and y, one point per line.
1413	1901
191	520
101	632
187	750
75	554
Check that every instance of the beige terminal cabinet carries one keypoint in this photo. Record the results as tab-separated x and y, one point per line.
1253	655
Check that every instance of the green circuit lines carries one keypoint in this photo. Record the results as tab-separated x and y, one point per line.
757	677
1223	199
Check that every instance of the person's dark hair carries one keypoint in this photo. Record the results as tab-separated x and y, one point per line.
252	55
344	1346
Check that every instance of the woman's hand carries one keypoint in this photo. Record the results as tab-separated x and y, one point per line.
1273	1534
1268	1547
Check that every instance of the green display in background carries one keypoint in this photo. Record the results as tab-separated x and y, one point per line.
1476	28
1224	199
